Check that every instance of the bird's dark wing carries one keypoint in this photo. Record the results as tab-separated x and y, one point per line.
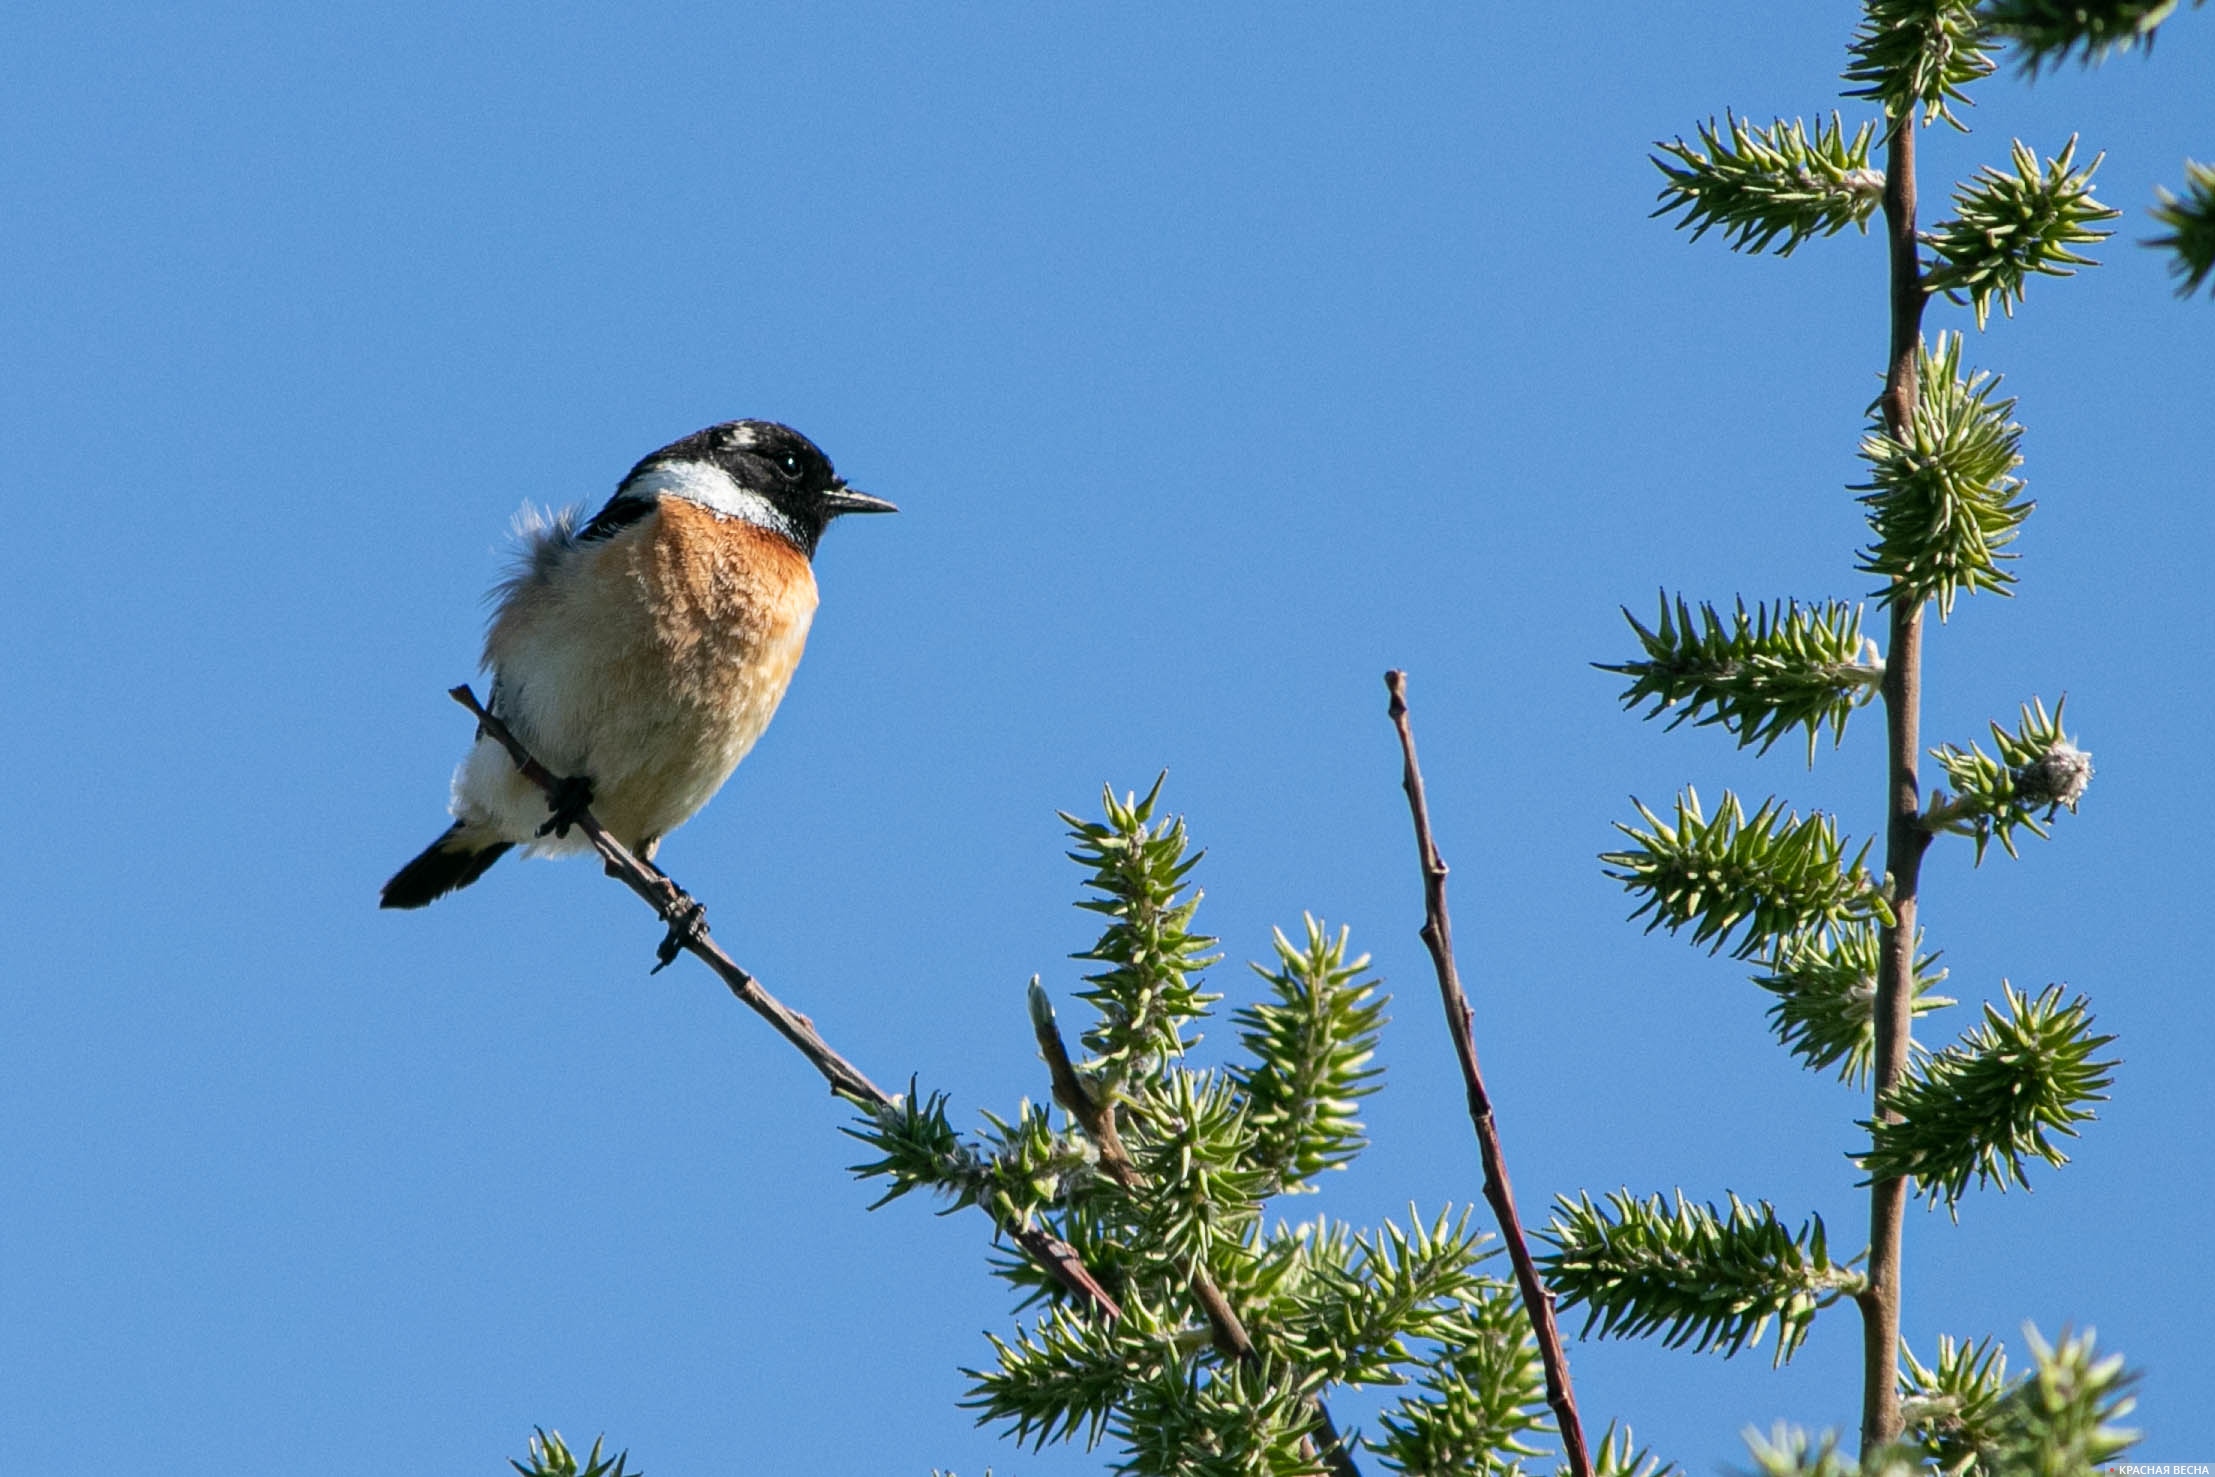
622	511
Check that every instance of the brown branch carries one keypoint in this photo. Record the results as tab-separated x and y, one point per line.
1438	936
1096	1118
688	930
1906	837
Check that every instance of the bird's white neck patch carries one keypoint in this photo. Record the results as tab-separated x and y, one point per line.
714	489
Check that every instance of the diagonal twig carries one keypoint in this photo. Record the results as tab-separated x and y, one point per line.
688	930
1438	936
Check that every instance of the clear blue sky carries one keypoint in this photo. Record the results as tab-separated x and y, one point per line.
1218	361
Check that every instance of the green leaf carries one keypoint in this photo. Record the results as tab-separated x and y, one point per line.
1918	53
1759	184
2008	227
1944	502
2190	218
1766	877
1983	1108
1698	1278
1759	676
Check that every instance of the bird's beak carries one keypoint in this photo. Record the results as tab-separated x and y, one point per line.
844	499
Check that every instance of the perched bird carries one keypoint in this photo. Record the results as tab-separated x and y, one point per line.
642	654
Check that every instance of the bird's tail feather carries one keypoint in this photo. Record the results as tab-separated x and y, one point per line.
448	864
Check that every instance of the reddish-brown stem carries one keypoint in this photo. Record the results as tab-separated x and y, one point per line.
689	931
1906	837
1438	936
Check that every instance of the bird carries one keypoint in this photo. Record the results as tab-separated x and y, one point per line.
640	654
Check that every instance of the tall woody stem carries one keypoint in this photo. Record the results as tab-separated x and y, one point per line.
1905	837
1438	936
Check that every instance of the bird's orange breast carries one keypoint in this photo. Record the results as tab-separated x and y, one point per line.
652	662
728	603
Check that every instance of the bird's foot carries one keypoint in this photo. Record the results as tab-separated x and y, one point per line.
570	798
687	920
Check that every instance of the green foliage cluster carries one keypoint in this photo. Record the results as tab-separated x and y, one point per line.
1307	1068
550	1456
1956	1400
1777	187
1766	186
1697	1278
2060	1418
2190	218
2048	32
1918	53
2035	768
1985	1106
1760	184
1767	877
1150	991
1234	1328
2012	224
1945	503
1965	1416
1765	673
1942	499
1825	986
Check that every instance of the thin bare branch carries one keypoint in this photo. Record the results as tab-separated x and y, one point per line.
1438	936
1096	1118
688	931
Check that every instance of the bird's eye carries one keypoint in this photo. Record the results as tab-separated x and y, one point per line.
788	466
